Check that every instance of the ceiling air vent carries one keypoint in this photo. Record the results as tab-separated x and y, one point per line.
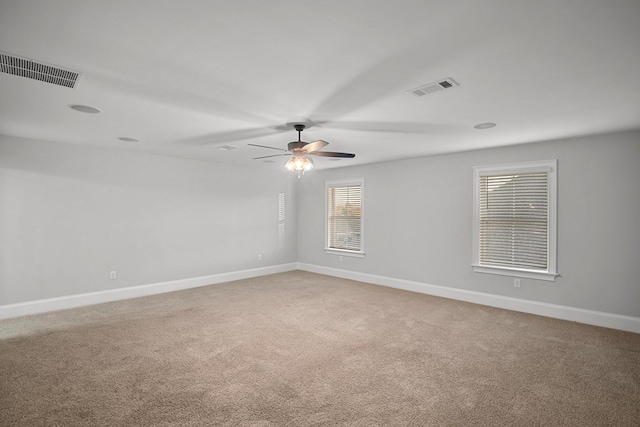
434	87
23	67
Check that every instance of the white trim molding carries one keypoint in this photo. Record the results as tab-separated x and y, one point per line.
515	272
589	317
79	300
342	252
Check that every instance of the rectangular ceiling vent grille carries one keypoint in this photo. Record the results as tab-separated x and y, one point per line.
23	67
434	87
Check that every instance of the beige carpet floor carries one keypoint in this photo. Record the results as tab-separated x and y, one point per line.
301	349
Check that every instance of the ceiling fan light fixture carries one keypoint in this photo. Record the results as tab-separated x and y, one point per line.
300	161
299	164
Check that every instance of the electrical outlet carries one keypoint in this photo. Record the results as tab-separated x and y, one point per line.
340	258
113	275
516	283
259	257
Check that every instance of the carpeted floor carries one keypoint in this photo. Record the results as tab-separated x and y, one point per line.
301	349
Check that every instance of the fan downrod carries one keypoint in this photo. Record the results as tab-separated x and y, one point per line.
296	145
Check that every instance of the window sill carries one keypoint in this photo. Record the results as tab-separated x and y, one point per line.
344	252
527	274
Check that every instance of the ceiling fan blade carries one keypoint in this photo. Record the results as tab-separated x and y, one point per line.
314	146
264	146
332	154
273	155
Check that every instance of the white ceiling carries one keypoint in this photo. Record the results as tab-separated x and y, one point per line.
185	77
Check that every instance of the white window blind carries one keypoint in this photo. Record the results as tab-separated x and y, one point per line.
514	217
281	211
344	217
515	220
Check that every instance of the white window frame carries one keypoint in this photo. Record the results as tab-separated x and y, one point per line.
344	183
549	166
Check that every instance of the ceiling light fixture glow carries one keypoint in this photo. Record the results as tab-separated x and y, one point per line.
299	163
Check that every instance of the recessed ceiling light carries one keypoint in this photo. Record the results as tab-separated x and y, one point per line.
488	125
128	139
85	108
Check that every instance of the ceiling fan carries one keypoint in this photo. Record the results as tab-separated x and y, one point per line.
299	150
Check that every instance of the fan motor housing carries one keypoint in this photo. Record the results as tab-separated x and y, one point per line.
296	145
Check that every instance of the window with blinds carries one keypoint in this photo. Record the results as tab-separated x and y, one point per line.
515	220
281	211
344	216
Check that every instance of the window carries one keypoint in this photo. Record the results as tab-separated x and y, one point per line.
281	210
344	217
515	220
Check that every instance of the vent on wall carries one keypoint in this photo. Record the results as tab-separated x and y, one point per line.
23	67
434	87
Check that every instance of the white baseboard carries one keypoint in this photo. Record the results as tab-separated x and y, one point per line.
590	317
78	300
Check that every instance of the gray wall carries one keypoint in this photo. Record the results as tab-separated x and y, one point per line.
70	214
418	221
